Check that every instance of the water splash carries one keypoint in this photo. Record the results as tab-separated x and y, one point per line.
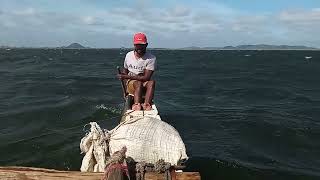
111	109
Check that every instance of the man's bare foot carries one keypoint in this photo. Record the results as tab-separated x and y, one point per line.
136	107
146	106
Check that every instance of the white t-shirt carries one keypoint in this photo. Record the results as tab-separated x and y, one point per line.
137	66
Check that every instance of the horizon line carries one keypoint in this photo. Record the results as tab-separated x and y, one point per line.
186	47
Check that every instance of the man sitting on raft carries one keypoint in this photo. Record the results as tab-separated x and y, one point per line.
139	66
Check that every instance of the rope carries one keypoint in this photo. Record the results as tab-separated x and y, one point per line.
140	170
116	161
161	166
117	157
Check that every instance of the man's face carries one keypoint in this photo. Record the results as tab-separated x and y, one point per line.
140	48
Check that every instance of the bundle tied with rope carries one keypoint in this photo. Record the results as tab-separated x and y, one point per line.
146	140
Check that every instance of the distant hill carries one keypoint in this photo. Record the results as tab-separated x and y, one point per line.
252	47
192	47
268	47
75	46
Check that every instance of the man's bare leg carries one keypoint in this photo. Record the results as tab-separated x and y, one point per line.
150	86
137	95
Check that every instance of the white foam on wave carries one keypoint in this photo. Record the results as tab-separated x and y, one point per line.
112	109
101	106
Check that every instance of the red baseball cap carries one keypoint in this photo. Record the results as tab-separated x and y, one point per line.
140	38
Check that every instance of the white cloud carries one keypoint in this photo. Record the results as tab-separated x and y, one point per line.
300	26
209	24
252	24
90	20
27	12
179	11
301	17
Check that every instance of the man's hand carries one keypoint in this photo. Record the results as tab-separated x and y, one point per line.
122	76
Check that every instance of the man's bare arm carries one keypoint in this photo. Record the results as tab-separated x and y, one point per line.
145	77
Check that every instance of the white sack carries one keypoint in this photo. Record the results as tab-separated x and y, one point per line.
148	139
96	149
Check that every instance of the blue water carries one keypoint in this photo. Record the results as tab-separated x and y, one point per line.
241	114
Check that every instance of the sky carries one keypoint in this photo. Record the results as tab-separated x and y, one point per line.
167	23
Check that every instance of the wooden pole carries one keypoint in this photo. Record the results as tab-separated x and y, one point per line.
124	90
26	173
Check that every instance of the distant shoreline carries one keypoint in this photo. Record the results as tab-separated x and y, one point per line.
161	49
248	47
236	49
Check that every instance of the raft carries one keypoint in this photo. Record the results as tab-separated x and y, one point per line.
140	144
26	173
